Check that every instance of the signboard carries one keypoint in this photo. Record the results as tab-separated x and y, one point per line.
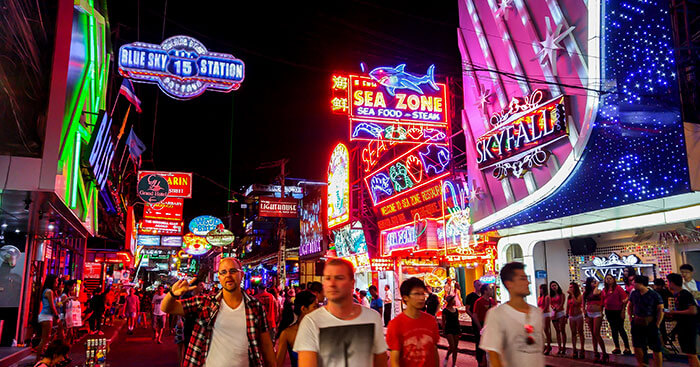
204	224
397	132
152	188
615	265
160	227
158	252
147	240
416	168
350	239
392	94
278	207
420	234
171	241
181	66
220	237
93	270
102	150
311	227
514	144
180	183
338	187
168	209
195	245
274	189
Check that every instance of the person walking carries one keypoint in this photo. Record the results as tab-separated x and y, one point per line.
97	307
341	333
72	311
557	300
646	309
304	303
269	303
49	312
666	295
689	282
363	299
218	338
685	314
376	303
413	335
452	328
481	307
615	302
512	333
131	308
432	303
388	299
144	309
593	304
159	317
574	311
543	302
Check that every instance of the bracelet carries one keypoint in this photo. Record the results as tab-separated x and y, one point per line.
172	294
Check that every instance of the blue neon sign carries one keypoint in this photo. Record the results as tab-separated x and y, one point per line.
204	224
181	66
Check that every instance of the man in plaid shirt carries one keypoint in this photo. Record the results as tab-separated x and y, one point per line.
217	339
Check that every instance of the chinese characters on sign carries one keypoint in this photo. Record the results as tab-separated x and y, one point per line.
338	187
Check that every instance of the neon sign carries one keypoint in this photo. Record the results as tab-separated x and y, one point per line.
399	238
397	132
614	265
311	233
350	240
195	245
514	144
181	66
415	168
204	224
370	100
339	187
103	147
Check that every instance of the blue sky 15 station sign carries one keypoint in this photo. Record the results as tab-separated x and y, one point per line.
181	66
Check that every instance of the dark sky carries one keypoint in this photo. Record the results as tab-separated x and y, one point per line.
290	49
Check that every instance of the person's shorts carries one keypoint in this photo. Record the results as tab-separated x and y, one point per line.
646	337
687	339
131	314
158	321
44	317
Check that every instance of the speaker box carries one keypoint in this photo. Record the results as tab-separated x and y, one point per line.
582	246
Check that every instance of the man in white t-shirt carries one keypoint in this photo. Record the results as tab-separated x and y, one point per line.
158	315
230	328
341	333
512	333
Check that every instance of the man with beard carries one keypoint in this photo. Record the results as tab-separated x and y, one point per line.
230	328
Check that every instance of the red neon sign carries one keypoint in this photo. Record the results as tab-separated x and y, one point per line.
408	172
168	209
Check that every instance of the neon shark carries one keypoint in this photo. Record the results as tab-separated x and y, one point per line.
397	78
371	129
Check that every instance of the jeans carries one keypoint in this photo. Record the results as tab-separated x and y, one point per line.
387	313
617	326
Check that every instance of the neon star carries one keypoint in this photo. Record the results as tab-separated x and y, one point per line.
503	7
550	45
483	99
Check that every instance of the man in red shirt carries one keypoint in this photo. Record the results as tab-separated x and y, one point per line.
481	306
268	302
412	336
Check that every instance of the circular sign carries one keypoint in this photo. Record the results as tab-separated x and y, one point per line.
195	245
220	237
204	224
153	188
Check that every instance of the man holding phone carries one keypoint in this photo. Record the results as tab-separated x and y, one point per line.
217	339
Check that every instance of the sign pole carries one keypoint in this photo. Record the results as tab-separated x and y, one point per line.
282	266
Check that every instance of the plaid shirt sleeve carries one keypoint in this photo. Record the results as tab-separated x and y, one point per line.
193	305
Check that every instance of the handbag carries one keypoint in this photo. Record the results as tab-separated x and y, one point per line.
73	315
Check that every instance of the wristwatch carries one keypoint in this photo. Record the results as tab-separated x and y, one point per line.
172	294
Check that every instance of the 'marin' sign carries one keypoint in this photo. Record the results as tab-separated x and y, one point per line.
181	66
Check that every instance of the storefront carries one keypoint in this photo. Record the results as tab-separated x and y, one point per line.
568	174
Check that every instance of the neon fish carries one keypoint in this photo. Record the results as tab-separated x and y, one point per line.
371	129
397	78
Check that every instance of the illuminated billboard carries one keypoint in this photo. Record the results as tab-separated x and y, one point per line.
416	168
311	226
181	66
179	183
338	207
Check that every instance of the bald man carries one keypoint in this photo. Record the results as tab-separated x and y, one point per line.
230	327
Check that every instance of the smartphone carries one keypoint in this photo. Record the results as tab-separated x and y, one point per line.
201	275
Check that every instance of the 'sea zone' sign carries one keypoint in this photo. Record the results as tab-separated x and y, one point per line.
181	66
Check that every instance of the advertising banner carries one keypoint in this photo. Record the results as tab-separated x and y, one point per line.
171	241
148	240
180	183
279	207
168	209
160	227
152	188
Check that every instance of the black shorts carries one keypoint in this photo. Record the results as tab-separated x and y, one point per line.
646	337
687	339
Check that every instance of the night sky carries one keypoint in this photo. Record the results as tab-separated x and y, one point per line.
282	109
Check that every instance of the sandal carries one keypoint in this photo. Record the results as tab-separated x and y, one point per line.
575	356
